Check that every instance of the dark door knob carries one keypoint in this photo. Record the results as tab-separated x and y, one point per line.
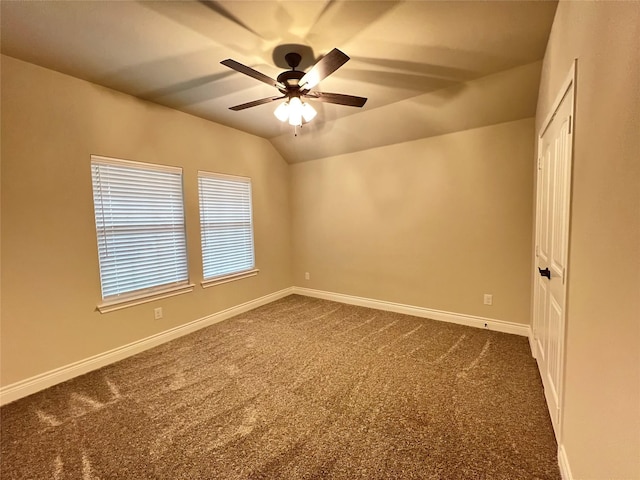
545	272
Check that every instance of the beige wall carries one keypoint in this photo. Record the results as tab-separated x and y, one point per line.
601	427
434	223
51	125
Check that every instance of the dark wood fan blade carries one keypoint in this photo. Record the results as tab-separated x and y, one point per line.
325	67
238	67
255	103
338	98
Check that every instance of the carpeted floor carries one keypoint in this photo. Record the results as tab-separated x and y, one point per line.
298	389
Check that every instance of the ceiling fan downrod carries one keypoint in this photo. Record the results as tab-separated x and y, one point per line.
290	79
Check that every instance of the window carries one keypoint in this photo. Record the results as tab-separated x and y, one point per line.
140	228
226	227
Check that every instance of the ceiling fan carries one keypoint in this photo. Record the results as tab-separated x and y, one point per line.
295	85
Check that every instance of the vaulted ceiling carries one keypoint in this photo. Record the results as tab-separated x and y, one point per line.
426	67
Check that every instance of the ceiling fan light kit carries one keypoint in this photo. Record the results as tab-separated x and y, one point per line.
282	112
308	112
295	110
295	85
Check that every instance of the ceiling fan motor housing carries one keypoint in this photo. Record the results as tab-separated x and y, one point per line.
290	78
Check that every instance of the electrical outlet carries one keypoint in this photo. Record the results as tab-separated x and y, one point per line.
307	276
488	299
157	313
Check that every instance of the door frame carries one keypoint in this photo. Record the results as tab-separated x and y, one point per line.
570	82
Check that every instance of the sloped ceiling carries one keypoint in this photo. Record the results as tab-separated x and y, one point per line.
427	67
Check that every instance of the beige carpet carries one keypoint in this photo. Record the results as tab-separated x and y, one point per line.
298	389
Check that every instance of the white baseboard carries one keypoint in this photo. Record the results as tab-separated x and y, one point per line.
459	318
532	344
34	384
563	463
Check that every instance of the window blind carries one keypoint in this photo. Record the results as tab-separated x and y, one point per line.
140	226
226	224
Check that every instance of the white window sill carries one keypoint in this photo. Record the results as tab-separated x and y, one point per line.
228	278
119	304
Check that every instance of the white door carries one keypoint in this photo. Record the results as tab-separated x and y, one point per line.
552	234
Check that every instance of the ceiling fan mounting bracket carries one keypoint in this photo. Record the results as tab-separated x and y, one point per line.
293	59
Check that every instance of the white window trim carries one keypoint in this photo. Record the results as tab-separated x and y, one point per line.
145	297
211	282
151	166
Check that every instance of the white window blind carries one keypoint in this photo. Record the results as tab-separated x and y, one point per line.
226	224
140	227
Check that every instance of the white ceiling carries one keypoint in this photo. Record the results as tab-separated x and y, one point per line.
427	67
